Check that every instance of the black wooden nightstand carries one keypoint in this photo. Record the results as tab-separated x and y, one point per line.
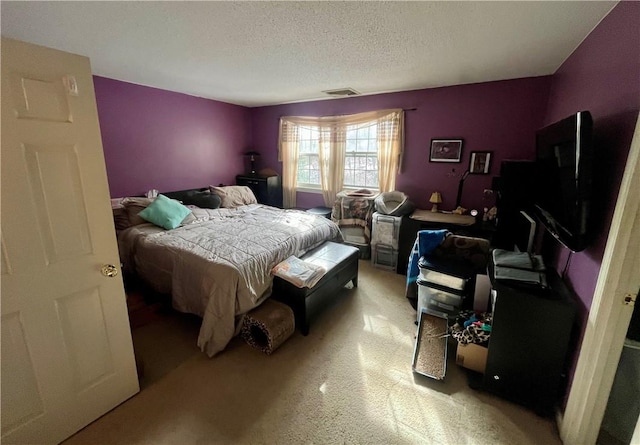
267	188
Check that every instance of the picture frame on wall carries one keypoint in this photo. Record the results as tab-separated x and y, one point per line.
480	162
445	150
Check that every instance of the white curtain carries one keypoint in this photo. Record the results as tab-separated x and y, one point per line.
288	155
332	151
390	149
332	147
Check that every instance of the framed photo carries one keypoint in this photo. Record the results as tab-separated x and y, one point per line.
480	162
445	150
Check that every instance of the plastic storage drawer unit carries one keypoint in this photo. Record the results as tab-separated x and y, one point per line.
384	257
438	298
453	276
386	230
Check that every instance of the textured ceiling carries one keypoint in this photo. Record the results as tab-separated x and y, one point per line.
264	53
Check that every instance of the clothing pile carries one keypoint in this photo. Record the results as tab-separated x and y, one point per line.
471	327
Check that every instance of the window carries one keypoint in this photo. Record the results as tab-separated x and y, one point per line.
331	153
361	157
309	157
360	162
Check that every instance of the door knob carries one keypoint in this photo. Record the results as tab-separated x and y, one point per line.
109	270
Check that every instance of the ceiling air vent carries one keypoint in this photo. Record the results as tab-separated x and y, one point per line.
342	92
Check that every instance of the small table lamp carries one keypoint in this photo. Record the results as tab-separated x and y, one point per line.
252	158
435	199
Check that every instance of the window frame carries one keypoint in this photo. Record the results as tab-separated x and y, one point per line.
317	188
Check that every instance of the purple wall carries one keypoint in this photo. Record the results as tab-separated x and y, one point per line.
169	141
156	139
501	117
602	76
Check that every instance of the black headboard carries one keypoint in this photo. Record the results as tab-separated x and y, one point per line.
181	195
199	197
190	196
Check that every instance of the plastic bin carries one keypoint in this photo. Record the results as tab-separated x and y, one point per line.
384	257
386	230
438	298
447	275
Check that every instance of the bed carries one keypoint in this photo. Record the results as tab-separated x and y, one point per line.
217	263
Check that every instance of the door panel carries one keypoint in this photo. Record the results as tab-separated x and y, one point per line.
55	183
42	99
85	336
20	386
67	355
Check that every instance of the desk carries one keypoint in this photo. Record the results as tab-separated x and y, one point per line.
426	219
443	218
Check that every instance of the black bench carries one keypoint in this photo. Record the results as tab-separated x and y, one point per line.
341	263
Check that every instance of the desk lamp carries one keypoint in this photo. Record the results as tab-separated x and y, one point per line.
435	199
252	158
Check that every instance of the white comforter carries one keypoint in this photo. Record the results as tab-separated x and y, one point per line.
218	267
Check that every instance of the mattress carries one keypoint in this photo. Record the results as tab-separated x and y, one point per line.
218	266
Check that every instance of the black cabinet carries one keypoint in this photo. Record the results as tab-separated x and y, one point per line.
268	189
531	330
515	188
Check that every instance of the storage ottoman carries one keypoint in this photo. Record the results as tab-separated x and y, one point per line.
341	263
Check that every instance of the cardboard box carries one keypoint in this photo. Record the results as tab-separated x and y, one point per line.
472	357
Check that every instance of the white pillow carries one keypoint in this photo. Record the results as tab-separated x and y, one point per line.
234	195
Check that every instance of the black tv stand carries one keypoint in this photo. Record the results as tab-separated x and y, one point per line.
531	331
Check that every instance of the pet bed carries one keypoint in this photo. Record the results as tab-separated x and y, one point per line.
393	204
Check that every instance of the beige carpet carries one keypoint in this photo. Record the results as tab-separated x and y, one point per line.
349	381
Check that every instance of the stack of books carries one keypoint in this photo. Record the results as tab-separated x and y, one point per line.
519	268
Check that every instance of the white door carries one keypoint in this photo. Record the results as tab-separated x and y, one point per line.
67	356
610	313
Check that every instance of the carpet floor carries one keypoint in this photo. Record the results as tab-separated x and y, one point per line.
349	381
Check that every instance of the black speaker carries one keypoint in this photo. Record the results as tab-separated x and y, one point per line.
516	190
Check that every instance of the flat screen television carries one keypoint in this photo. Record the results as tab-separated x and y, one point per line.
562	196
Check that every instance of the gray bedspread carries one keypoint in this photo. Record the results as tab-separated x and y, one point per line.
218	266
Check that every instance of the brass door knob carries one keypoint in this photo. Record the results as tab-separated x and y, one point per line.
109	270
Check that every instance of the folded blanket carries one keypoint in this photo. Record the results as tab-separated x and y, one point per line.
299	272
426	242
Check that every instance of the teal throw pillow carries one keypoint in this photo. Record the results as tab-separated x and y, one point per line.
165	212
